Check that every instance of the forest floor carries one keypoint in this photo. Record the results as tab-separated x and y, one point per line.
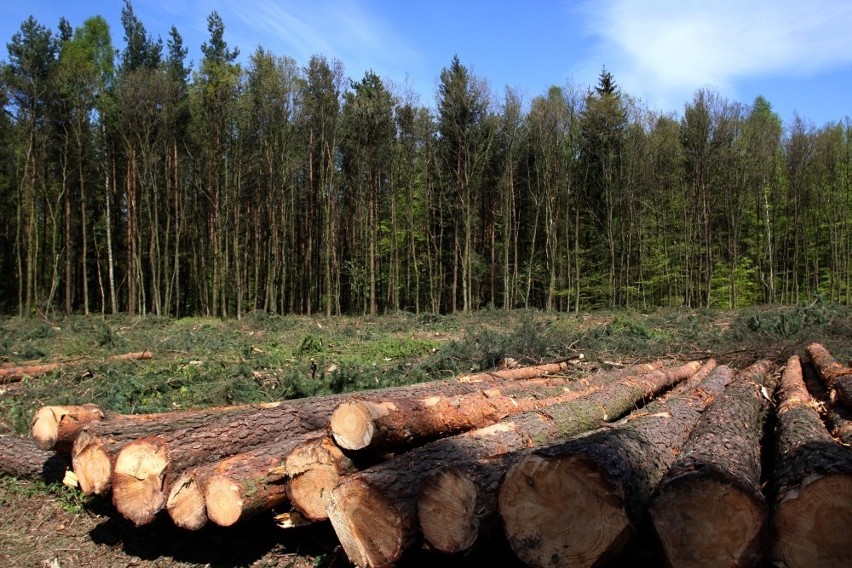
201	362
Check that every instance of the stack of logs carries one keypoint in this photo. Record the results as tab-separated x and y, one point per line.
728	469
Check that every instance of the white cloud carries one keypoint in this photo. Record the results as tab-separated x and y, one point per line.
342	29
662	50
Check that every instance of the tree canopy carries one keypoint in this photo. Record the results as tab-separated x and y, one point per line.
136	181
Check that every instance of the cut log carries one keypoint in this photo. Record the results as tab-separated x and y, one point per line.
519	373
145	468
577	503
235	488
836	376
95	453
836	416
96	447
314	468
13	374
20	457
709	509
384	424
457	504
56	427
374	512
813	480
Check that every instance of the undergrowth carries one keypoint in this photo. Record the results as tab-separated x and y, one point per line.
201	362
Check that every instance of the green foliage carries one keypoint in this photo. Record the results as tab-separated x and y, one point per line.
797	322
70	500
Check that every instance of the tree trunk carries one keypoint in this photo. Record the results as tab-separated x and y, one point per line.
12	374
20	457
709	509
361	424
835	375
374	512
56	427
578	502
314	468
813	482
234	488
95	448
458	504
836	416
144	468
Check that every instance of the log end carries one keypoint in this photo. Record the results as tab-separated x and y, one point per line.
314	468
561	512
92	465
706	522
223	500
352	426
138	480
186	503
310	491
369	528
46	426
446	508
812	524
48	422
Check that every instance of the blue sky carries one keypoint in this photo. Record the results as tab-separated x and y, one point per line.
797	54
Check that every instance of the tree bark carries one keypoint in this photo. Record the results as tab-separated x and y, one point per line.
813	482
314	468
578	502
20	457
374	511
95	448
12	374
378	424
837	417
235	488
709	509
56	427
519	373
144	468
835	375
361	424
458	503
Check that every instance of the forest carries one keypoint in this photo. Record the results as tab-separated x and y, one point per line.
132	181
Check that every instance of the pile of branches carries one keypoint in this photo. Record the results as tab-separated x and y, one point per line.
570	470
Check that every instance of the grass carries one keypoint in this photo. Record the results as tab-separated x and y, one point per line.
202	362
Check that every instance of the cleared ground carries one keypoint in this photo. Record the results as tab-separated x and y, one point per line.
204	362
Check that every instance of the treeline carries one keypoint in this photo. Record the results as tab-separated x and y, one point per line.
131	182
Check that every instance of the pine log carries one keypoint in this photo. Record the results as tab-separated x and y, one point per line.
374	512
520	373
836	416
20	457
314	468
709	509
145	468
56	427
836	376
457	504
95	454
578	503
13	374
95	448
386	424
813	482
235	488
